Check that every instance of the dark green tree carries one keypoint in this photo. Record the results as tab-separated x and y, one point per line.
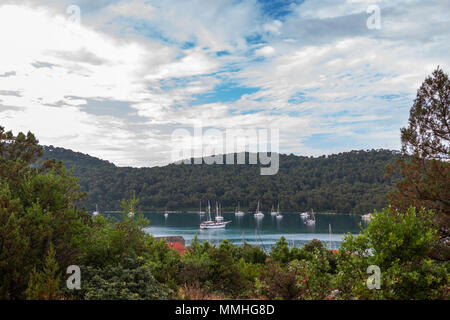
37	208
424	165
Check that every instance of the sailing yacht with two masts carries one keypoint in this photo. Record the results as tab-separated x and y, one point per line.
210	224
219	216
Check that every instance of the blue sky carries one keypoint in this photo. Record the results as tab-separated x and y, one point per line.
119	82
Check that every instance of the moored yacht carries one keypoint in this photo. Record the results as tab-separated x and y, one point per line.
219	216
304	214
210	224
273	212
258	214
311	221
278	213
238	211
96	212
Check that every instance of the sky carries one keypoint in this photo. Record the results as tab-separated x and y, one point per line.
114	79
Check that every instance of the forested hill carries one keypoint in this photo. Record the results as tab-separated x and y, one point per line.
349	182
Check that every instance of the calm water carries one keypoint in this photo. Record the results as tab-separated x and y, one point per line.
263	232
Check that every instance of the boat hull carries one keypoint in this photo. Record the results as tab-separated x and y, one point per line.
214	225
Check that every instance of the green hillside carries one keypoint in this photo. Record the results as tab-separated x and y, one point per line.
349	182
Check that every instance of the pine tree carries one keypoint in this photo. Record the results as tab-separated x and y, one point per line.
425	162
44	285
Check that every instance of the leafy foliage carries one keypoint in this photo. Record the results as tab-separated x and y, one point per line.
36	211
399	245
131	281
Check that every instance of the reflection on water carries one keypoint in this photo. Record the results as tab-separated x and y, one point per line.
257	231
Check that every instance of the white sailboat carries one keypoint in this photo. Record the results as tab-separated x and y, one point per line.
166	213
366	217
258	214
219	216
304	215
96	212
273	212
311	221
238	211
278	214
210	224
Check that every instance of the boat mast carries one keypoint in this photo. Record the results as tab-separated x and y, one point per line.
209	211
217	209
329	229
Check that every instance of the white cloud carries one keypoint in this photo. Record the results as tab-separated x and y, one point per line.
325	72
266	51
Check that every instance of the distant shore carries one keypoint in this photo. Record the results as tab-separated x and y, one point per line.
229	212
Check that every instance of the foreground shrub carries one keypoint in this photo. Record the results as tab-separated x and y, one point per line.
131	281
399	244
278	282
314	278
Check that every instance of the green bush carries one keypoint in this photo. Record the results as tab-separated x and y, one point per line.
278	282
314	278
399	244
132	281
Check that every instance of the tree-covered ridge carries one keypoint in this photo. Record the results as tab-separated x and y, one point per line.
349	182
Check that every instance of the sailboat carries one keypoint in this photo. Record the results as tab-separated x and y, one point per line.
166	213
218	213
131	212
366	217
238	211
273	212
279	215
258	214
311	221
96	212
304	215
210	224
